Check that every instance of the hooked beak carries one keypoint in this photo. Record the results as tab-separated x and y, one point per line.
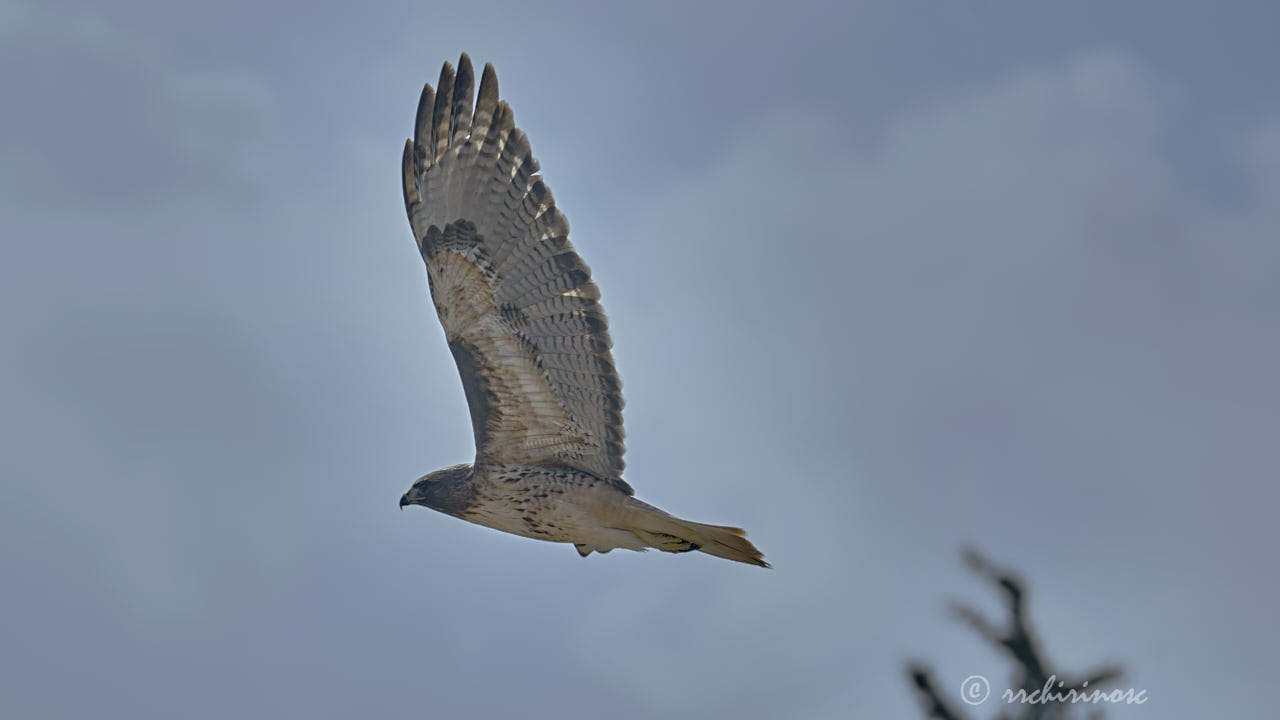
404	500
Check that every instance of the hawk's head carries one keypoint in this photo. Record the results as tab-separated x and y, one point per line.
448	490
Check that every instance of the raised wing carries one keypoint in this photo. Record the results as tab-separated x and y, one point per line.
519	310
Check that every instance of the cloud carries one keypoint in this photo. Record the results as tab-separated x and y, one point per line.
101	115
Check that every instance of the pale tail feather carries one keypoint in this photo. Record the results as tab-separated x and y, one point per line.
671	534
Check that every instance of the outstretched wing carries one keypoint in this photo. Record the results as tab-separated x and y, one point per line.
519	310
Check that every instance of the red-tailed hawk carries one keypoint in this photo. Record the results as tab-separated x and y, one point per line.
525	326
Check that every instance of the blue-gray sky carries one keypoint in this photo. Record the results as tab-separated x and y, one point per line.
883	282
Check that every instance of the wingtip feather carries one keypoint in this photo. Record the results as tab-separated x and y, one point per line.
486	103
409	178
422	121
441	111
463	88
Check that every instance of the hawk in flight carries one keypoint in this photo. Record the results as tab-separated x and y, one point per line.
524	323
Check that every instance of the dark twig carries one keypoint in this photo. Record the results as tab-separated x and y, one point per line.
935	706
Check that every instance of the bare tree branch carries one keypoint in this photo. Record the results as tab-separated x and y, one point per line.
1017	641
